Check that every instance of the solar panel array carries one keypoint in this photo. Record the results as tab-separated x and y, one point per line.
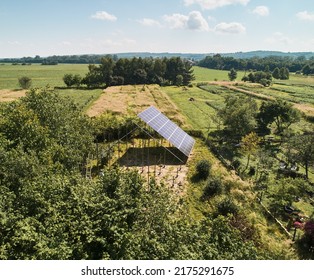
167	129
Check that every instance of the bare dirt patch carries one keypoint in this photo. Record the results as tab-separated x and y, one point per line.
11	95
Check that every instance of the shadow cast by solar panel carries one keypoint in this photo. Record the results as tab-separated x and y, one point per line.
152	156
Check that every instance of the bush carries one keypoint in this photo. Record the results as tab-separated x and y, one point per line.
227	206
213	186
203	168
25	82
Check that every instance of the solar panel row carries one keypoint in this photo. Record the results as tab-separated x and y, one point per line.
167	129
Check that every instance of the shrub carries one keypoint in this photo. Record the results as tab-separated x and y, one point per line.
213	186
203	168
227	206
25	82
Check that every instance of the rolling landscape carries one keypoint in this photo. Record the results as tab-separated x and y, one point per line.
126	136
247	193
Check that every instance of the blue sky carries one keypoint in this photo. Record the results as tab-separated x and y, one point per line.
48	27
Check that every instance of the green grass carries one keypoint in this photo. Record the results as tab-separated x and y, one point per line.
41	75
198	113
83	97
205	75
297	80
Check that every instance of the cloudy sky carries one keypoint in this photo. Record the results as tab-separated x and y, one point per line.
48	27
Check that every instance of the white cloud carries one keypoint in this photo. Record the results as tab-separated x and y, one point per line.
305	15
262	11
149	22
102	15
193	21
278	37
196	21
214	4
176	20
231	28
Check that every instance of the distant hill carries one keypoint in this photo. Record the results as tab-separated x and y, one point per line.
95	58
261	54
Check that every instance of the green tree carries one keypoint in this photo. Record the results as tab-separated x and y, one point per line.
279	112
276	73
48	125
179	80
300	149
71	80
238	115
307	70
25	82
284	73
232	74
249	145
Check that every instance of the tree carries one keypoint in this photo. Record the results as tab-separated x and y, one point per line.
264	78
307	69
67	79
249	145
300	149
279	112
232	74
282	193
284	73
238	115
179	80
51	127
276	73
25	82
71	80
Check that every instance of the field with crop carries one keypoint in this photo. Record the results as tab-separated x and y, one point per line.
41	75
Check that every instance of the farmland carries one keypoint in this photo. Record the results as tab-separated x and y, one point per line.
195	108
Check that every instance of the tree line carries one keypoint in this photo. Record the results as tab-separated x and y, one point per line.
110	72
270	63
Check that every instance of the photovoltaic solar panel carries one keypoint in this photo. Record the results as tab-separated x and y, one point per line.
168	129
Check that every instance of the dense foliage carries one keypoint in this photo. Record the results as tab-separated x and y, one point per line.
110	72
48	210
238	115
220	62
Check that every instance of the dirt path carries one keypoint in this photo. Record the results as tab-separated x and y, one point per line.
11	95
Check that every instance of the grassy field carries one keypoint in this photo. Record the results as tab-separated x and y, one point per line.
204	75
83	97
41	75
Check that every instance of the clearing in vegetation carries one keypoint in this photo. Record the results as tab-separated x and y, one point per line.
135	98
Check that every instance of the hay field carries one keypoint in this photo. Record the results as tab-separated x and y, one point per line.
11	95
134	99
